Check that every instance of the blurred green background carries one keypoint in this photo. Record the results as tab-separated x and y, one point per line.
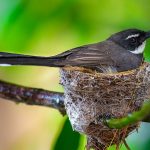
47	28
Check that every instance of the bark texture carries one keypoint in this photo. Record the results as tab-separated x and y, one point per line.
32	96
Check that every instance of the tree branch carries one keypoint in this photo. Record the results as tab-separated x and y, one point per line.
32	96
133	118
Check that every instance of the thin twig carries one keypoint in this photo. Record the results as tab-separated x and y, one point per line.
32	96
126	145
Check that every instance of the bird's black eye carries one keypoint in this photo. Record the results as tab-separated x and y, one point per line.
133	40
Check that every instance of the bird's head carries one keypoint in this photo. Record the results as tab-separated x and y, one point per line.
133	40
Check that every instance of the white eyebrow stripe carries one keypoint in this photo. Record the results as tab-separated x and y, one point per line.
131	36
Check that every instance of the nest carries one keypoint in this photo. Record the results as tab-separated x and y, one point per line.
92	97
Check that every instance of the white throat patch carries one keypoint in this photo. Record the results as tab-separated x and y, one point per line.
139	49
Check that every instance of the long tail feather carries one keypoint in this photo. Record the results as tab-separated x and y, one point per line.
8	59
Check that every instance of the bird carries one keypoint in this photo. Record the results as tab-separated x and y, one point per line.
122	51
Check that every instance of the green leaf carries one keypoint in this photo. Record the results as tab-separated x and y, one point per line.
68	139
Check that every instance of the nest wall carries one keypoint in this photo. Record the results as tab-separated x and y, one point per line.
92	97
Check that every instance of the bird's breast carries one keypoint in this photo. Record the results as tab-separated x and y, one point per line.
128	61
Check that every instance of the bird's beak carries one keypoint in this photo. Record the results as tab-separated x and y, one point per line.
147	34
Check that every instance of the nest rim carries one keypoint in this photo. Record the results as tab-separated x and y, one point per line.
90	72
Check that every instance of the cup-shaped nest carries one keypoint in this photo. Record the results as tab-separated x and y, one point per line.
92	97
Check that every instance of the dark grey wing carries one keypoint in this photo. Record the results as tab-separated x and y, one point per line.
95	56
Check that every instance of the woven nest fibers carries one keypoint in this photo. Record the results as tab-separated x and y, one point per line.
91	97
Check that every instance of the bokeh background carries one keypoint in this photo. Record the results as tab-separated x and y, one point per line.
46	28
